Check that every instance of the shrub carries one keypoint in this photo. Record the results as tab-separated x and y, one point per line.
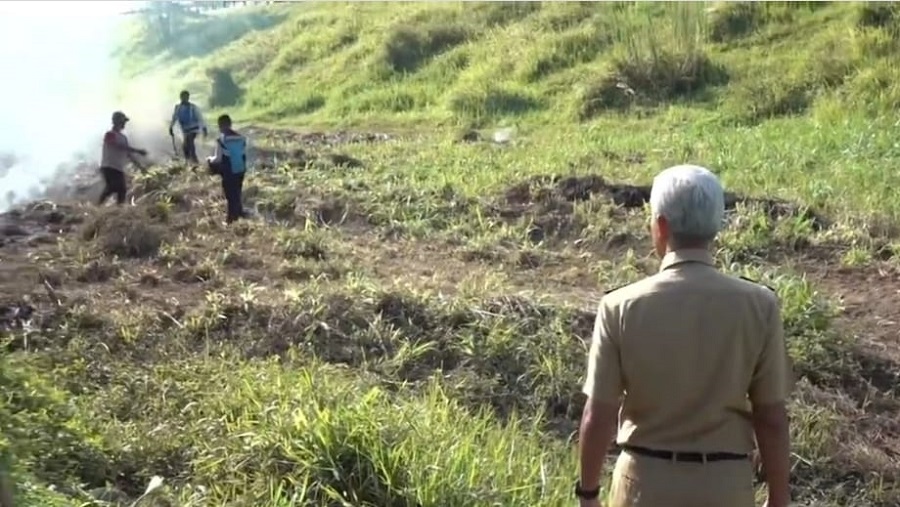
877	14
224	91
650	80
728	21
407	49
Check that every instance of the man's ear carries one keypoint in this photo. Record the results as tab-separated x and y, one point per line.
663	226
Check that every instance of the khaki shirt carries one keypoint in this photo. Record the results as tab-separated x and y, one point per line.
690	348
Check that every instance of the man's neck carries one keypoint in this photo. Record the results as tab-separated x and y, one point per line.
687	248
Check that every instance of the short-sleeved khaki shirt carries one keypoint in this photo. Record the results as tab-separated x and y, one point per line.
690	348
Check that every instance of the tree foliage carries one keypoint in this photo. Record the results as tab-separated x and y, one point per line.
165	19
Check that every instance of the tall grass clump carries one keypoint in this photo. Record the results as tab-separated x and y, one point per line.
879	15
732	20
407	48
337	438
655	61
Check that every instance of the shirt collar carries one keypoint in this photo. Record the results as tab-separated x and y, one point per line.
687	255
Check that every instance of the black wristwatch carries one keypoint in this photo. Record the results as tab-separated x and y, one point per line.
586	494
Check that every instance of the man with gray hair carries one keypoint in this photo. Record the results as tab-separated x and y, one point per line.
691	363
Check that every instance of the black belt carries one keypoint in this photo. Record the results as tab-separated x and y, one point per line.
693	457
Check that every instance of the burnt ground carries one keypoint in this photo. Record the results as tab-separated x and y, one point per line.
868	292
557	193
549	199
31	285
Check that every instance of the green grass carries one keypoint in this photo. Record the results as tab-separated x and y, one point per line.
483	63
412	331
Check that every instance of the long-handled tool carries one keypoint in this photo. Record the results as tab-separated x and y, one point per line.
174	146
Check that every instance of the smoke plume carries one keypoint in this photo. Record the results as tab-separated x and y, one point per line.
60	88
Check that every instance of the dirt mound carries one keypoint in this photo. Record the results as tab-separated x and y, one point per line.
317	139
331	139
270	158
572	189
37	221
556	193
629	158
131	232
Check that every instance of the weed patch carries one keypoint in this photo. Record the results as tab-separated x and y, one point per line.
650	81
131	232
877	14
224	91
733	20
407	48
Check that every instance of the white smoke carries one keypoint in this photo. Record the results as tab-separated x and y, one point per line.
60	86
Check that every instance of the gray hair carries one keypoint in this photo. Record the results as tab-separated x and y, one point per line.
692	201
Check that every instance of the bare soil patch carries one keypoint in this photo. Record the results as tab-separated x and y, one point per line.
869	296
870	320
317	138
270	158
37	223
557	193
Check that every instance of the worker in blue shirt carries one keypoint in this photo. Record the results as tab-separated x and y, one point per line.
230	161
191	122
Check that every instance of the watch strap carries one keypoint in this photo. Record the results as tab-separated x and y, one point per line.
586	494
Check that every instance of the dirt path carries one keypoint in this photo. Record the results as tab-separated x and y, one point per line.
870	297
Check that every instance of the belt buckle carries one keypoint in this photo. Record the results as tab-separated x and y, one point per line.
703	456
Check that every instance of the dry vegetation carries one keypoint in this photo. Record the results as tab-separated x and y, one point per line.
403	322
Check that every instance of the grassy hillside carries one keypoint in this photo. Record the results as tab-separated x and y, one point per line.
405	320
728	63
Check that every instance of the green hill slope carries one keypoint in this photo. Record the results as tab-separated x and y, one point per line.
548	62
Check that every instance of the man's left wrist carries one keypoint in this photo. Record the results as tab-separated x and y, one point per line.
586	493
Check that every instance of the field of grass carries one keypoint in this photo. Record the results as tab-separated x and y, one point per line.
404	322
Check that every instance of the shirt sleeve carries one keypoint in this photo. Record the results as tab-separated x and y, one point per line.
217	154
772	380
174	117
604	369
